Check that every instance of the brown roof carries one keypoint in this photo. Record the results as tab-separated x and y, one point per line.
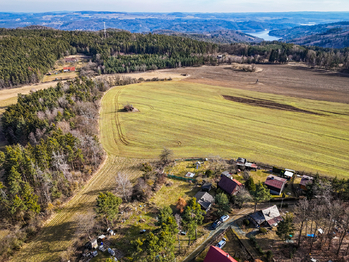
275	181
230	186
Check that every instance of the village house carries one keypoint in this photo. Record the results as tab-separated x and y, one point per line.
305	181
206	187
229	185
204	199
268	217
70	60
243	164
275	184
215	254
69	69
227	174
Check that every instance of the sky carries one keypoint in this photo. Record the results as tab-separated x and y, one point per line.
207	6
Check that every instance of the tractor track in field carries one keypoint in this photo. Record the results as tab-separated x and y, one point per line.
117	120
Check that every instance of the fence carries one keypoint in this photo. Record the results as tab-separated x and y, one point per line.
182	178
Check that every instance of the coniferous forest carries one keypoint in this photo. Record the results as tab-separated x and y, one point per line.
26	55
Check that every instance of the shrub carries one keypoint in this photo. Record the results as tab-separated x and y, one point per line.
260	250
246	222
209	173
269	255
263	230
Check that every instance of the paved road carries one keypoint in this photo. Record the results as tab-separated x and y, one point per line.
230	222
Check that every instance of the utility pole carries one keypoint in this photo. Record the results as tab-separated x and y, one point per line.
105	31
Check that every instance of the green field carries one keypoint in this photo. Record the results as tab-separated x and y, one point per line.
195	120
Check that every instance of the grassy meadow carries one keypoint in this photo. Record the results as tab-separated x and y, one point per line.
195	120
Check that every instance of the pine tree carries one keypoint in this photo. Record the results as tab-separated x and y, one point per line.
286	227
222	204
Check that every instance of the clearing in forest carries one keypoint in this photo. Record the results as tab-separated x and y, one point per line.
196	120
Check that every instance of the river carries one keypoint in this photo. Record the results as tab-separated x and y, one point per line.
265	35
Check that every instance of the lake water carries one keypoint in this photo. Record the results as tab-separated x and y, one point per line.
265	35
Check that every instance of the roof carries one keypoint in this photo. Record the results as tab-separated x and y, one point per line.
272	215
288	173
241	160
206	186
275	181
258	217
215	254
204	199
230	186
226	173
251	165
306	180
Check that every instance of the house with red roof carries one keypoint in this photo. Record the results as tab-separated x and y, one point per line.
69	69
275	184
229	185
215	254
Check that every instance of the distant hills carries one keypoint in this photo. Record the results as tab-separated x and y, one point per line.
329	29
220	36
333	35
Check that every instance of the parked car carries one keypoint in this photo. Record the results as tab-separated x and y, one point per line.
221	243
142	231
94	253
224	218
183	233
216	224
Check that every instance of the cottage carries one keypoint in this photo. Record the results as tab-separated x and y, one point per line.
230	186
275	184
268	217
70	60
215	254
288	173
206	187
69	69
205	200
306	180
227	174
93	244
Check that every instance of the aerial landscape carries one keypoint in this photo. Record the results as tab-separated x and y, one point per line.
207	131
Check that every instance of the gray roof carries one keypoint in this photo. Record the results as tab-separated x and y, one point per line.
204	199
272	215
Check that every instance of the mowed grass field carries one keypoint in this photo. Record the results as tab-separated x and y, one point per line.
195	120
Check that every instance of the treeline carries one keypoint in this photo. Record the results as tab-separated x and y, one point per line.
26	55
277	52
54	150
136	63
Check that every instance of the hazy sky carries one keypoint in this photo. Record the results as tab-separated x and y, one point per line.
225	6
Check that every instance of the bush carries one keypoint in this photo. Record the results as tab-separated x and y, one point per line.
269	255
260	250
263	230
246	222
209	173
253	240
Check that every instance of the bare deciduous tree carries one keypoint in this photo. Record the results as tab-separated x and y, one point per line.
85	224
123	186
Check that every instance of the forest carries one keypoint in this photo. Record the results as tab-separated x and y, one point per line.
26	55
53	150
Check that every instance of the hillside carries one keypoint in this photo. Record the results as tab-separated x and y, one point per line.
220	36
334	35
